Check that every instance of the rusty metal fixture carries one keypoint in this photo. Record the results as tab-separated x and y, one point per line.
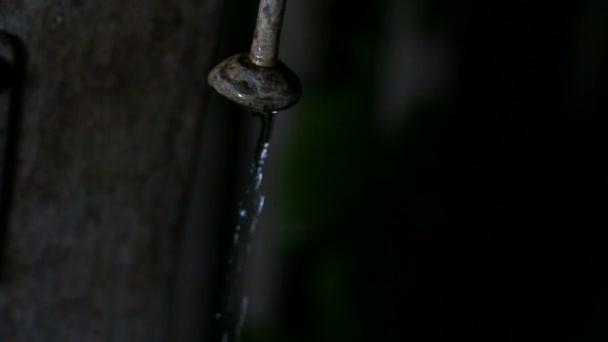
258	80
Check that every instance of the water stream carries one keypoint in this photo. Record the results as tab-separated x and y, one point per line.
234	309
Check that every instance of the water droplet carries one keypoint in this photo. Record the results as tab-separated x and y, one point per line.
261	205
236	238
258	180
243	213
264	153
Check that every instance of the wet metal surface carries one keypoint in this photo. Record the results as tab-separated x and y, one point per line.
234	308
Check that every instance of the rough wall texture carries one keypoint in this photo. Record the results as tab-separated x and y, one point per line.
112	99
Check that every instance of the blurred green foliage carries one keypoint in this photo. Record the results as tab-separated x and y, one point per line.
382	238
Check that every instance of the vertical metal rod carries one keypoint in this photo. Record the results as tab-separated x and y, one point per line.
258	81
265	45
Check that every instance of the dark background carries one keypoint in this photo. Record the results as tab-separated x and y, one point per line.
442	178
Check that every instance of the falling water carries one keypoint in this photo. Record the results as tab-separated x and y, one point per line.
234	310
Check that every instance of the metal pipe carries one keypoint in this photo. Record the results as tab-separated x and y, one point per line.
265	45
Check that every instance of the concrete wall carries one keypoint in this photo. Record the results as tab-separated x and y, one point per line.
112	101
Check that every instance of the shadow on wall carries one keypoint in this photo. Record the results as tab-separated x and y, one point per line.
12	76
